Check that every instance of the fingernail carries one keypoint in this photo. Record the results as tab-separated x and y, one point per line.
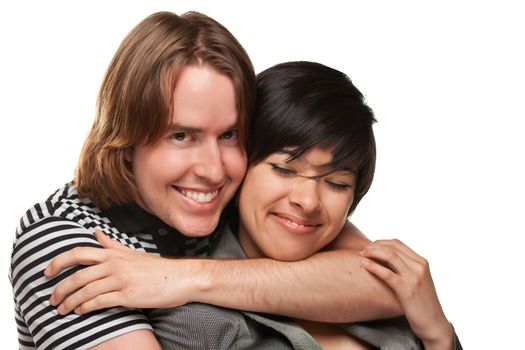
62	309
52	300
364	262
46	271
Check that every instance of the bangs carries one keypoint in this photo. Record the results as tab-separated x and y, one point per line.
338	124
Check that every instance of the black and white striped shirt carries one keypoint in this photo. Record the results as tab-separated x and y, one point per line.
65	221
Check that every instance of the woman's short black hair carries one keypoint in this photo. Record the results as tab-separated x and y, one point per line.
301	105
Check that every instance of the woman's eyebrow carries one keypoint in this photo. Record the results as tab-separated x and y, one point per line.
325	169
345	171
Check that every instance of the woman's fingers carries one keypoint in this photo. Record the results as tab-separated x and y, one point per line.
76	281
75	256
383	273
400	246
411	271
415	267
408	274
83	255
114	276
93	290
388	256
107	242
102	301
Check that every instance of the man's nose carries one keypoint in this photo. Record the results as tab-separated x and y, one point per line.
210	164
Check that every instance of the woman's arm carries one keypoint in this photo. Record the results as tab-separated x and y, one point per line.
330	286
408	274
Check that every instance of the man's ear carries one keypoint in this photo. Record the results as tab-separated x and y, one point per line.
127	154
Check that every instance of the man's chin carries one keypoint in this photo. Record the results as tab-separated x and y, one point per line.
199	229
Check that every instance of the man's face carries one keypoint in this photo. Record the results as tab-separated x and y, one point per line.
285	214
188	176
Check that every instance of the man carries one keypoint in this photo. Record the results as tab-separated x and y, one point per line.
163	159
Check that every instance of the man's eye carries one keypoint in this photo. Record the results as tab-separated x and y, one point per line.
338	186
179	136
230	135
281	170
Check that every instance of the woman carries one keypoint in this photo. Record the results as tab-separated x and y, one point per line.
311	160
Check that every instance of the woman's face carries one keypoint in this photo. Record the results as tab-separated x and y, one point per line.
287	212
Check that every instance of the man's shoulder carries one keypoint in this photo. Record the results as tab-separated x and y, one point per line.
62	219
65	202
64	205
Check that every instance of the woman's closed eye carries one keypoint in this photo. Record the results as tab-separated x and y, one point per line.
339	186
279	169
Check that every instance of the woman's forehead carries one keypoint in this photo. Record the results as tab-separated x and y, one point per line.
318	158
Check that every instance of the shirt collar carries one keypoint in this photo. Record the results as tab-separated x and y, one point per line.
132	219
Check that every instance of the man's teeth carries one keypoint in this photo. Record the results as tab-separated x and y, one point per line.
200	196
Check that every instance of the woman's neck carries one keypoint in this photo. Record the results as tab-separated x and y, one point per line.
247	243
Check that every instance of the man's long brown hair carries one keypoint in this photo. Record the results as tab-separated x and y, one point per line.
135	100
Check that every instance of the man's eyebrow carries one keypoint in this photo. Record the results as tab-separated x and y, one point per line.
175	127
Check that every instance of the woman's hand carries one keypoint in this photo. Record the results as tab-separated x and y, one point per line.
408	274
117	276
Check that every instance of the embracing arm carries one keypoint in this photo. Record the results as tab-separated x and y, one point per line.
330	286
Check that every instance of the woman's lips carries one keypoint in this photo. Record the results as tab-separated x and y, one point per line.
295	224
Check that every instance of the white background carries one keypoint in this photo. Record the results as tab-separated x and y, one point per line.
446	80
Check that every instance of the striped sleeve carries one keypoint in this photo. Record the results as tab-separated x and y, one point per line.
39	325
